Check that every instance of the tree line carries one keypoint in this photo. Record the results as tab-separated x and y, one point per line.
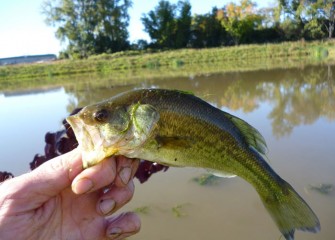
91	27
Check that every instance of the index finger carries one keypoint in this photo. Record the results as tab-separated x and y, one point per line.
96	177
126	169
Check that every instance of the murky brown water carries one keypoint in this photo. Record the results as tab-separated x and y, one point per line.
294	109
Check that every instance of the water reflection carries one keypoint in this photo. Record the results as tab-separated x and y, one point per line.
297	96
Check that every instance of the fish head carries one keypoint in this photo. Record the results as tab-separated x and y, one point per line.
107	129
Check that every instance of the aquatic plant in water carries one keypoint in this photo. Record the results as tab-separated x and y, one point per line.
323	188
178	210
207	179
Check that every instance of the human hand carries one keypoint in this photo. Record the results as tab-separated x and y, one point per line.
60	200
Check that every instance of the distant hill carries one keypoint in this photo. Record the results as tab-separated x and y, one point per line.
28	59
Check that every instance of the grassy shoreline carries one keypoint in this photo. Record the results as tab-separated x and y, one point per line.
136	64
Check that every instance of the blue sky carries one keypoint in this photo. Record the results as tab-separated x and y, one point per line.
23	31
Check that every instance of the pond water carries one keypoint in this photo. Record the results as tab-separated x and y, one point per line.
294	109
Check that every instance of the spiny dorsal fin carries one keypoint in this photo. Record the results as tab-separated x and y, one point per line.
254	139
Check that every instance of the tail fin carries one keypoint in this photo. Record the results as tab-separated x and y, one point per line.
291	212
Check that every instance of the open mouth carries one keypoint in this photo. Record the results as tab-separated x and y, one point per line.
87	136
89	139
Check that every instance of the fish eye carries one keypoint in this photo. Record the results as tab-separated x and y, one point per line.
101	115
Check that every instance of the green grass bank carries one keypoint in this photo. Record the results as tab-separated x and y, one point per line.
145	63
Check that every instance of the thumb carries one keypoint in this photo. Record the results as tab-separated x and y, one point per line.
46	181
56	174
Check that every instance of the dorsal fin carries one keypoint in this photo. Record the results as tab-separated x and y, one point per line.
251	135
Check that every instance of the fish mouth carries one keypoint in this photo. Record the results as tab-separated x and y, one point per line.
89	140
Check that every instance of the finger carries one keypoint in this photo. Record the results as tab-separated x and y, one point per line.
126	169
45	181
122	226
95	177
115	198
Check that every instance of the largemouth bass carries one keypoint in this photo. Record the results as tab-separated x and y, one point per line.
176	128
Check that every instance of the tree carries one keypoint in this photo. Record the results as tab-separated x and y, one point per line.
290	8
313	29
240	20
160	24
89	26
293	22
207	30
324	11
183	27
167	28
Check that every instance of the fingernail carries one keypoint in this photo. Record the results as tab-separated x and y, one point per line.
114	232
125	174
82	186
106	206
